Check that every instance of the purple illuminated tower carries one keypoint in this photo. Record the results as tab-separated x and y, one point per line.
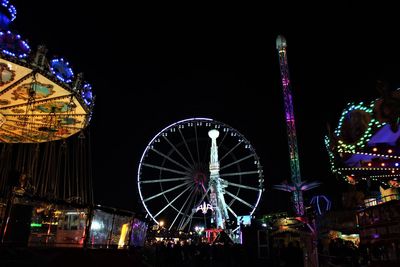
291	130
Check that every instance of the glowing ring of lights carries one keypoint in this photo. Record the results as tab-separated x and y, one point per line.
345	154
87	94
11	10
173	172
12	45
62	70
362	139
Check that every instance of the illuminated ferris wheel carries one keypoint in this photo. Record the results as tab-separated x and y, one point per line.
174	176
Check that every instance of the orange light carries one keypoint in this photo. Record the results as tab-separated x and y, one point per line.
383	164
369	164
283	227
374	149
390	151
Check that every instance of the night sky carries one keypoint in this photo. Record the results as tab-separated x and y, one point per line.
153	65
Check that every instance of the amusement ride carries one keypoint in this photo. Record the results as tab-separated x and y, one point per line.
297	186
42	104
199	172
364	148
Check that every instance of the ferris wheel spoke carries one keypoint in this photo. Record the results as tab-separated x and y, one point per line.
230	151
179	212
239	199
165	169
165	180
191	217
166	191
197	144
177	151
243	186
223	138
187	209
237	173
236	161
186	145
170	203
195	201
170	159
193	211
233	213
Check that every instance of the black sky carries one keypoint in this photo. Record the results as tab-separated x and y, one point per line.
153	65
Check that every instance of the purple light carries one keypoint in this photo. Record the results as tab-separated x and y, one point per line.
384	135
290	125
375	236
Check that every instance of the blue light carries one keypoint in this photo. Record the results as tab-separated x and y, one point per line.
87	94
396	164
10	8
12	45
316	200
61	70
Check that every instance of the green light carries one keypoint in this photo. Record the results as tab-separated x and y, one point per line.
36	225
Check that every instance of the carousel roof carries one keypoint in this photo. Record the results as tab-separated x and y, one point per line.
40	100
366	143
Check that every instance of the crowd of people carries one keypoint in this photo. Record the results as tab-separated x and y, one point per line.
339	252
166	254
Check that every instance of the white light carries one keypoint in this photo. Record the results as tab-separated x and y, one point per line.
72	213
96	226
213	134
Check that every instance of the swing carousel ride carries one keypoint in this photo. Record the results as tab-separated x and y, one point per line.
41	100
42	104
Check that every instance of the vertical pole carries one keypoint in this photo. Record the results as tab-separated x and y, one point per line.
290	125
111	231
292	141
7	214
88	224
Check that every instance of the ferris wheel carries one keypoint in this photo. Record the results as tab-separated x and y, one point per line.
173	174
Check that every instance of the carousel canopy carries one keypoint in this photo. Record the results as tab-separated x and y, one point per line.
366	144
40	100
